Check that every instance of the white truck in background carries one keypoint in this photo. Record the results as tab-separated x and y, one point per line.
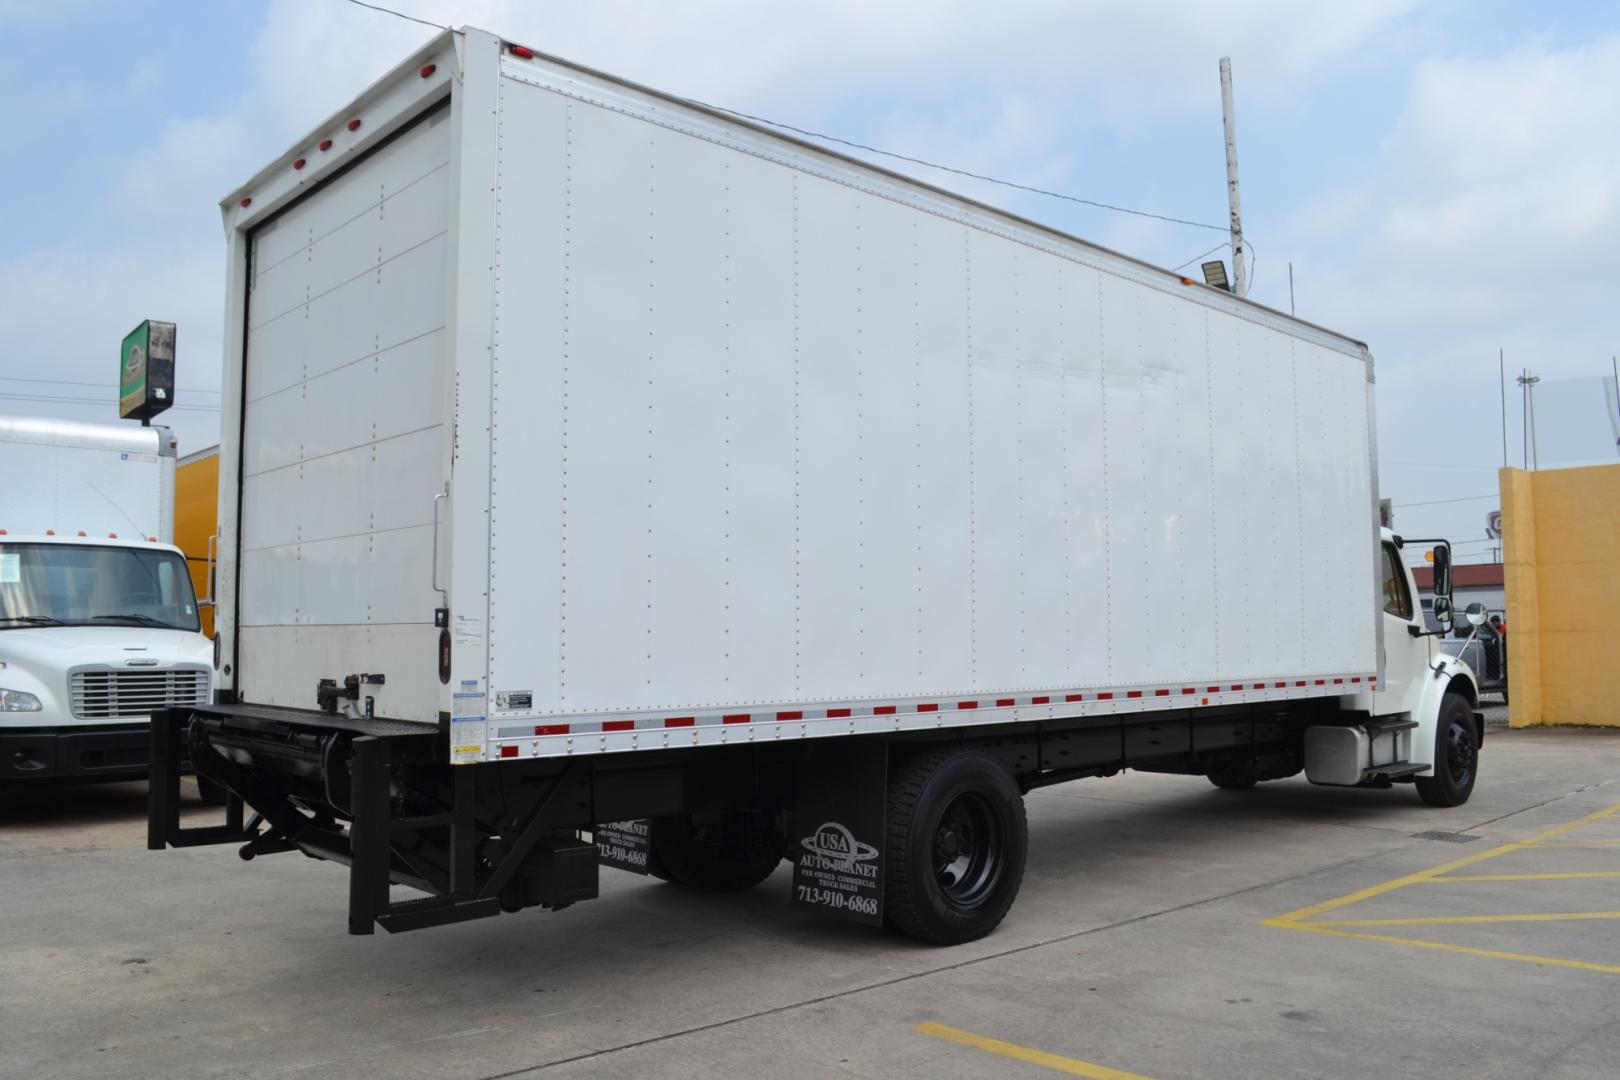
608	481
98	621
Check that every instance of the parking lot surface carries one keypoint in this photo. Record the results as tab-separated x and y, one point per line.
1165	929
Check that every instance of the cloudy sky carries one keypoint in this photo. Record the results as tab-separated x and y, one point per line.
1444	177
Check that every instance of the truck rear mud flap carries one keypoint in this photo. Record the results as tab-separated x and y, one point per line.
365	793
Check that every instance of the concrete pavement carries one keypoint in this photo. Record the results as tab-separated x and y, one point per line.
1165	929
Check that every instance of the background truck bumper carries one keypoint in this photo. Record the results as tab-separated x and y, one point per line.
106	752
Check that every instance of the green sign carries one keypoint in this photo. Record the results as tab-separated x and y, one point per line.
146	371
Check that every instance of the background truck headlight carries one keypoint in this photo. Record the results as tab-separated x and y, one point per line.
18	701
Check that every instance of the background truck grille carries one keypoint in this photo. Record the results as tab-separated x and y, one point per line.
135	694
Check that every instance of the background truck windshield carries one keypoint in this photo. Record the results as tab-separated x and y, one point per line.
92	585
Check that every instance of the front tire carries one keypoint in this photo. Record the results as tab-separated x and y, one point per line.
956	846
1456	757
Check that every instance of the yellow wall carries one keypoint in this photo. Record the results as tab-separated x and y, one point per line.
196	500
1561	539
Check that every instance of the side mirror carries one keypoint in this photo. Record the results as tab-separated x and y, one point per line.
1442	585
1442	571
1475	614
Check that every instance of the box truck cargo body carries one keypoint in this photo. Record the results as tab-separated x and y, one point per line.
705	477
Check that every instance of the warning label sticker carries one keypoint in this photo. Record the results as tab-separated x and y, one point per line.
469	630
468	726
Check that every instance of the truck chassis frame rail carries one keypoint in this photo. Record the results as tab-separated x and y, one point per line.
377	843
411	818
381	797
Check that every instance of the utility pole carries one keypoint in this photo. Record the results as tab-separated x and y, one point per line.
1240	276
1501	383
1527	384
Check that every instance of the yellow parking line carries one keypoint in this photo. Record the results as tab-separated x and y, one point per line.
1071	1066
1425	875
1523	877
1590	845
1467	950
1446	920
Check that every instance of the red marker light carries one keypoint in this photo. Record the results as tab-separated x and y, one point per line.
298	163
428	69
246	201
326	144
354	125
522	51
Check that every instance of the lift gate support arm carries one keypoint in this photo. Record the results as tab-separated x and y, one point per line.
377	845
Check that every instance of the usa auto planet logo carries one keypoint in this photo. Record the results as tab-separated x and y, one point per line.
838	848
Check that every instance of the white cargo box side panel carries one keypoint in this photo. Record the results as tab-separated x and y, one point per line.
343	441
67	476
778	431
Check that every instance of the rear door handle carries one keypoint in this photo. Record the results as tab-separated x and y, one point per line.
436	586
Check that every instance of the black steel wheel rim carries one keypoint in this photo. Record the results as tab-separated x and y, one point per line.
968	850
1460	752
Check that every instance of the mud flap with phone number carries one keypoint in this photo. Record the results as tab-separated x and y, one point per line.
838	842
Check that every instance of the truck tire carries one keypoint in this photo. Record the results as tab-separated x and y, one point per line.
1233	777
956	845
1456	764
729	852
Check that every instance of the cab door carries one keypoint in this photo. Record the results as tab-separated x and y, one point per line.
1405	656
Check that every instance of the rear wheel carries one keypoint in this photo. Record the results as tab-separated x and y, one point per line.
1240	777
956	846
1456	757
716	851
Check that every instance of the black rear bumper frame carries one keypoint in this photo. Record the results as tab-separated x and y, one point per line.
366	818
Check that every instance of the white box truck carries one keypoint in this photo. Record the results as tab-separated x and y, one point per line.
608	481
98	621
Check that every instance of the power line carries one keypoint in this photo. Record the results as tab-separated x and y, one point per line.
1436	464
97	385
398	14
100	402
1195	258
1442	502
959	172
885	153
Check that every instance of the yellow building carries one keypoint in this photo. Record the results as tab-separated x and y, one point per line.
196	506
1561	538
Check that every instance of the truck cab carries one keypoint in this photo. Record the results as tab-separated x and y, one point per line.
99	624
1420	720
95	634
